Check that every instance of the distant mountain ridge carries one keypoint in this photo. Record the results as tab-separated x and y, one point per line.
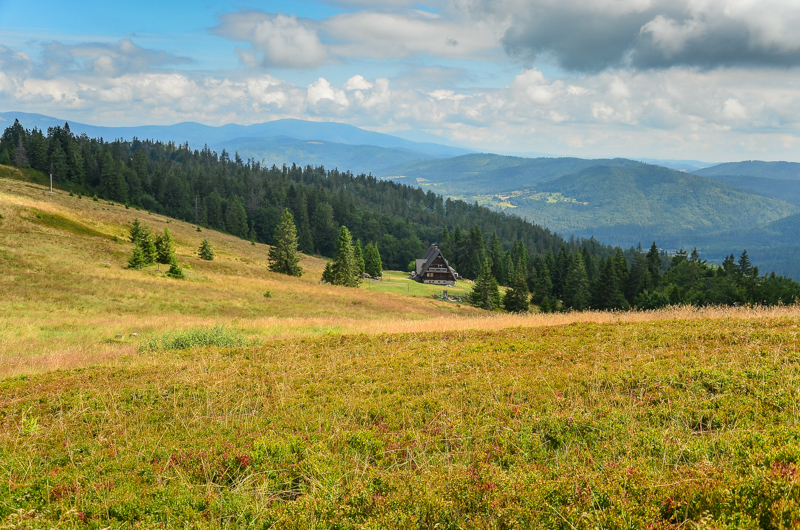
619	201
754	168
622	201
198	134
354	158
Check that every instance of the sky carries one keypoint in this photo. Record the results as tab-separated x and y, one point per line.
709	80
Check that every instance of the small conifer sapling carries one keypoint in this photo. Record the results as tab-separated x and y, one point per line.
205	251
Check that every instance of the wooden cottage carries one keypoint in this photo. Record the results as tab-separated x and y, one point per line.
434	269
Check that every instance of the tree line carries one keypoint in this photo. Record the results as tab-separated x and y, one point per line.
397	222
580	280
246	199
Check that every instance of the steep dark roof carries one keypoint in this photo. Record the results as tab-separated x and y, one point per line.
432	253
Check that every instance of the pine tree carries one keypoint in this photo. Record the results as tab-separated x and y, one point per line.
516	297
475	253
745	265
283	255
639	279
344	270
205	251
609	292
358	255
165	248
175	270
497	257
148	247
372	260
137	230
484	292
542	283
576	285
559	271
137	260
143	240
236	217
654	264
327	274
519	255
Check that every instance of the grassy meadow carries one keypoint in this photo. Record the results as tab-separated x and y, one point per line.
328	407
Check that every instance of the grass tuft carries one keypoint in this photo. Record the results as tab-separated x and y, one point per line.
218	336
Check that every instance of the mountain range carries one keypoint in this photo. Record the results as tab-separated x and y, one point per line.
752	204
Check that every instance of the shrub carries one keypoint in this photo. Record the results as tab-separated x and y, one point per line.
218	336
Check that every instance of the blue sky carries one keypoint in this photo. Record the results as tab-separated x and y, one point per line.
683	79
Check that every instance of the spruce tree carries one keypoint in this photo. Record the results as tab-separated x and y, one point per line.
205	251
654	264
358	255
175	270
283	255
148	247
372	260
609	292
498	259
516	297
475	253
165	248
485	294
745	265
236	217
136	231
137	260
327	274
344	270
576	285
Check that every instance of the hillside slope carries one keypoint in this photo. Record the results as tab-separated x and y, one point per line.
754	168
680	423
787	190
624	205
774	246
65	292
476	174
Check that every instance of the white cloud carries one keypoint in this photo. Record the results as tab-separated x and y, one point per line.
377	34
104	59
679	112
594	35
357	82
277	40
321	90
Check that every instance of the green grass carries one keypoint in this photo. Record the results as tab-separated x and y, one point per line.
218	336
672	424
398	282
24	174
59	222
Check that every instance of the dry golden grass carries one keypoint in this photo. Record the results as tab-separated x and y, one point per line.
65	295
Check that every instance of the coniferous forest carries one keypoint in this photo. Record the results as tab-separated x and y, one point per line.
247	200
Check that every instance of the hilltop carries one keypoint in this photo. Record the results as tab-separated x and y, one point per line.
754	168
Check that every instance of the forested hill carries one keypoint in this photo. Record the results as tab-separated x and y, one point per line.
754	168
245	199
